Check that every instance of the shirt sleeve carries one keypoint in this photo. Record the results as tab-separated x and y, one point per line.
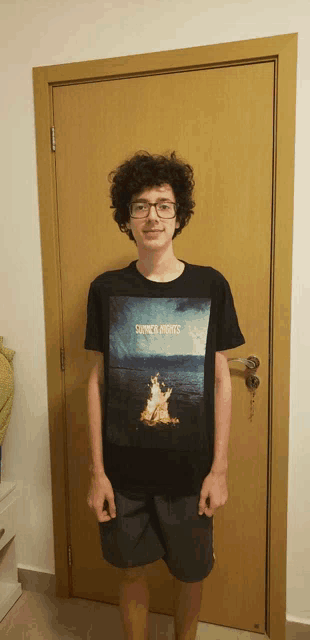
228	333
94	325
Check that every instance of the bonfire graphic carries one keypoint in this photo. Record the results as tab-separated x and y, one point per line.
156	410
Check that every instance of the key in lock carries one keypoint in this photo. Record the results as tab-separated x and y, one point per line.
252	381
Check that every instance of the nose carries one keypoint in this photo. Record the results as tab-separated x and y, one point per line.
153	213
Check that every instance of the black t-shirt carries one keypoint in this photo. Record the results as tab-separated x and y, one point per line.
159	341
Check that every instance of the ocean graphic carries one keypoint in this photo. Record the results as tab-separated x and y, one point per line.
157	351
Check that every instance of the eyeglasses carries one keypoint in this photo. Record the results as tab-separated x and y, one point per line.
165	209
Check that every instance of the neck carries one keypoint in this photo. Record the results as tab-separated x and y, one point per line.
154	263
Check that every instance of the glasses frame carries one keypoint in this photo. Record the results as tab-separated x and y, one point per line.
153	204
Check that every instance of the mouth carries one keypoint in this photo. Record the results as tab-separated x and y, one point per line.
153	231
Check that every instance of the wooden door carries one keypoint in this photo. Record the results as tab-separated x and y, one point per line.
221	121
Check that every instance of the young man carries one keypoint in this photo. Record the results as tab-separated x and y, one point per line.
160	401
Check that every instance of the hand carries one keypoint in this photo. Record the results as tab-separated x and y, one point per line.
100	493
213	493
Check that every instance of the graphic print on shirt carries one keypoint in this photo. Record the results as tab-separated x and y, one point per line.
157	350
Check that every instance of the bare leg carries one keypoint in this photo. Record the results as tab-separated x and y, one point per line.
134	603
187	607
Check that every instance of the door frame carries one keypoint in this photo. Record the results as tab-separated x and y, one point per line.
282	50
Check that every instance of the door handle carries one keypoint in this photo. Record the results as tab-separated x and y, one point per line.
251	363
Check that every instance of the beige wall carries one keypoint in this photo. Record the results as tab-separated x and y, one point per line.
43	32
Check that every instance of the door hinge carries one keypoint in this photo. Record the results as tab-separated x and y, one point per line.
69	555
62	359
53	139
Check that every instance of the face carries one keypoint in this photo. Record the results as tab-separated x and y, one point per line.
153	233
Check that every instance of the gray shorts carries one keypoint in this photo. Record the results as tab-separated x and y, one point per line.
148	527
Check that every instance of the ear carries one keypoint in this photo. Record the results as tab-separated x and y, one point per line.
177	223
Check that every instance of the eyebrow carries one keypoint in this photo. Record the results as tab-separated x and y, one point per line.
158	200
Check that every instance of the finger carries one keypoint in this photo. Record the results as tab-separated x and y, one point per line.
103	515
103	518
112	509
100	512
209	512
203	504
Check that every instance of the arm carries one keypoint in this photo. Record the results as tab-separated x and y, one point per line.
95	384
101	490
222	400
214	487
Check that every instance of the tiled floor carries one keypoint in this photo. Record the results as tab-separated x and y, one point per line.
37	616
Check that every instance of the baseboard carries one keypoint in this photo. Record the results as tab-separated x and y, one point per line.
304	621
46	583
37	581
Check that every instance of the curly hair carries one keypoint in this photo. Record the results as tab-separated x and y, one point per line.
144	171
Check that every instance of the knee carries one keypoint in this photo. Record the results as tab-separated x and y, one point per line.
133	573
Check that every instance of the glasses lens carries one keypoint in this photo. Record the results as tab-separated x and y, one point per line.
165	209
139	209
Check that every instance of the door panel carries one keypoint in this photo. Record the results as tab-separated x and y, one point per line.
221	121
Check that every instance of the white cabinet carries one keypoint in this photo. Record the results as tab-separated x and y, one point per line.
10	588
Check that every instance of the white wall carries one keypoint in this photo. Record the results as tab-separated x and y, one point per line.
44	32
